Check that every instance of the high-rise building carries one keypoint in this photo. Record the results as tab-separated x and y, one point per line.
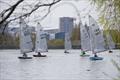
66	24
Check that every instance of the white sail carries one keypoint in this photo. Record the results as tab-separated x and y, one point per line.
85	37
67	42
110	43
25	38
41	42
96	36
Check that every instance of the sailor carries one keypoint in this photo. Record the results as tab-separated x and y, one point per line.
83	53
39	53
66	51
95	55
24	55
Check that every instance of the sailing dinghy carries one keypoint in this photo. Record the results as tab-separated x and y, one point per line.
41	42
96	39
26	44
67	43
85	40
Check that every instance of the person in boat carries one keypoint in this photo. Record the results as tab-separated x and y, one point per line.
95	55
110	51
83	53
24	55
39	55
66	51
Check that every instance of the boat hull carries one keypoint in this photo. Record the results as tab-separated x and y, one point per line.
66	51
96	58
25	57
110	51
85	55
39	56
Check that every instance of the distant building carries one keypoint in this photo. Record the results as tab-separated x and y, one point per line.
52	31
32	29
60	35
51	36
66	24
15	31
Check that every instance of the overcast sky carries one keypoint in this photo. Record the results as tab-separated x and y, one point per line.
66	8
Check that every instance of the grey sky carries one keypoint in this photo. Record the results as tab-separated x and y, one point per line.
84	7
62	9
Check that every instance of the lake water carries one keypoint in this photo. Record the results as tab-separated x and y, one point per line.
57	66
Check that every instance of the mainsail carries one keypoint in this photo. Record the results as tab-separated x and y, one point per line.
67	42
96	36
25	38
41	42
85	37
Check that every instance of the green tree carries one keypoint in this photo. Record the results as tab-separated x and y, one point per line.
7	41
109	17
109	13
56	43
76	36
76	33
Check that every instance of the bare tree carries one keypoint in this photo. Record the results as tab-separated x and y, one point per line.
6	15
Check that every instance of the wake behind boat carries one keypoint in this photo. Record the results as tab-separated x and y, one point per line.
26	45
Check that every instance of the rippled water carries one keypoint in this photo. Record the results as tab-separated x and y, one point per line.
57	66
